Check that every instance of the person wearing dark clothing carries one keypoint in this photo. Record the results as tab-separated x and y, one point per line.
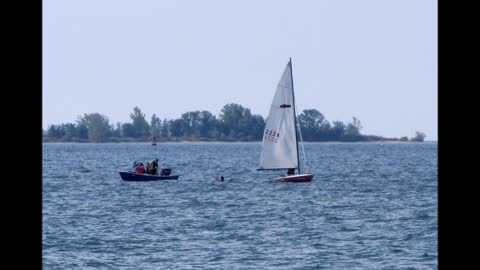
155	166
149	168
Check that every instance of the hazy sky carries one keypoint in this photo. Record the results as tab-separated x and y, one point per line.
375	60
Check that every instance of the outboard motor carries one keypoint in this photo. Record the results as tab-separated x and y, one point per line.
166	172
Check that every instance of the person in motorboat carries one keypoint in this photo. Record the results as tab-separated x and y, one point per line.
149	168
154	166
140	169
135	165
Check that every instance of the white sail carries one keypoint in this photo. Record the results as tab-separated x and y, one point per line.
279	147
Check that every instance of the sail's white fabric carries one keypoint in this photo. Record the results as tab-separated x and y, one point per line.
279	147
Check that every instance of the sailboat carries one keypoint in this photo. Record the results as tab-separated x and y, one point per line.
280	142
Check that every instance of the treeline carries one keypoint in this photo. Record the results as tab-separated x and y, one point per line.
235	123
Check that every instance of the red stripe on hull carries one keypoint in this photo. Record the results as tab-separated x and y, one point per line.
295	178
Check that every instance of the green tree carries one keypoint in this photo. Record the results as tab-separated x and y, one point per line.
337	130
314	125
82	131
236	121
97	126
155	125
353	128
140	125
419	137
245	123
176	127
117	130
70	132
128	131
207	125
257	126
230	116
190	123
164	130
55	132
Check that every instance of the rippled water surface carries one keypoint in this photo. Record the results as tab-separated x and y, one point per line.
370	206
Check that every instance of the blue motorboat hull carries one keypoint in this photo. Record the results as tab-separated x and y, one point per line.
130	176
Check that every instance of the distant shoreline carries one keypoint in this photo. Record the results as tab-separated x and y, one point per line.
252	142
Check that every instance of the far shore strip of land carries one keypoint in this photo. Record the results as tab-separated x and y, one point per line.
239	142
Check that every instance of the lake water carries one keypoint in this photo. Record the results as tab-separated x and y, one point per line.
370	206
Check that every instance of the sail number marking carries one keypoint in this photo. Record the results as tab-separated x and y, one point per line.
271	135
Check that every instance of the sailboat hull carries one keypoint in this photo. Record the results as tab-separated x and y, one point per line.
298	178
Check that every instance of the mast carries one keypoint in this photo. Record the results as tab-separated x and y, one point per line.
294	115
